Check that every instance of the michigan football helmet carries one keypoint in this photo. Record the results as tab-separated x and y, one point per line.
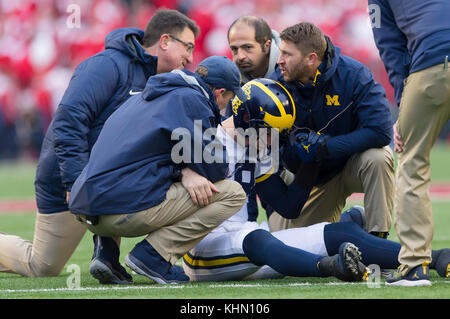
267	105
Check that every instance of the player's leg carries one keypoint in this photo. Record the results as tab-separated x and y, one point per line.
325	239
219	256
440	258
309	239
55	238
355	214
263	248
374	250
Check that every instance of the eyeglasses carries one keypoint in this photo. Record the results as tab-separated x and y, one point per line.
187	45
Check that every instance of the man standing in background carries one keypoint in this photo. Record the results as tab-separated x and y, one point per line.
413	38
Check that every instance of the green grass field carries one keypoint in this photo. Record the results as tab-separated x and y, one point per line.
16	182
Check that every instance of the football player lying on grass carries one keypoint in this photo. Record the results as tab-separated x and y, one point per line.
237	249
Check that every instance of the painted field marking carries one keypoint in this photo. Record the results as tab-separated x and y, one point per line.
155	286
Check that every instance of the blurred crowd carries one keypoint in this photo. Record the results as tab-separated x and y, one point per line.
42	41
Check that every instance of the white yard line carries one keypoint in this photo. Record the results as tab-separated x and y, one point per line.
154	286
149	287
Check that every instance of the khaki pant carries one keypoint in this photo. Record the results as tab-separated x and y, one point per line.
176	225
55	238
370	172
424	110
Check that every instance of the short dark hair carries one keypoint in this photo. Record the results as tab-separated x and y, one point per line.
167	21
307	37
262	30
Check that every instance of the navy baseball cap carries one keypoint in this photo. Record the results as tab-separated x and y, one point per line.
223	73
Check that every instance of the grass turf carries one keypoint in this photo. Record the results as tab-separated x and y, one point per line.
14	286
16	182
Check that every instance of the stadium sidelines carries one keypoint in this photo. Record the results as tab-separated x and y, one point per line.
439	192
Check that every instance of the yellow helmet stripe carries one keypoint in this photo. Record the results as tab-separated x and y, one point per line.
285	120
290	97
273	96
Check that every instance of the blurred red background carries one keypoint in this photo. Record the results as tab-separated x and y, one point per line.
39	49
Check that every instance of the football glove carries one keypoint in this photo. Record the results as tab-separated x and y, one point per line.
310	147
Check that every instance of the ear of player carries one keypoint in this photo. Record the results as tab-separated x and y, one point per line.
268	105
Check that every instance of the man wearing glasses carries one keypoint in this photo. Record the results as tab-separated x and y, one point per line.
189	46
98	87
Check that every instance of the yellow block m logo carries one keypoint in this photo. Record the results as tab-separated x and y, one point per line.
332	100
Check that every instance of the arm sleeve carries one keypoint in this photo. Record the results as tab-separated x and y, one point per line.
392	45
371	109
93	84
287	200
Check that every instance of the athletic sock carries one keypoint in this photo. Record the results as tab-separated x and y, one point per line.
379	234
374	250
262	248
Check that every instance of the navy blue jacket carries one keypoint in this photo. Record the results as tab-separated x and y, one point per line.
411	35
131	166
345	103
97	88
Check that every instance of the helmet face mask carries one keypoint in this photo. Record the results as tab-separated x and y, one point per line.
269	105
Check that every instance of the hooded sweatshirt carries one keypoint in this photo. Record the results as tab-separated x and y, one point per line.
132	166
97	88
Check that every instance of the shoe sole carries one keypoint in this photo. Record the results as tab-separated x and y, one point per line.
352	256
409	283
104	275
385	273
138	267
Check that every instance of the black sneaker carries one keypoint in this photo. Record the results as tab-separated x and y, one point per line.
146	261
346	265
105	266
441	262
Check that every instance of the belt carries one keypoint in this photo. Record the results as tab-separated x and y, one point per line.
91	220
